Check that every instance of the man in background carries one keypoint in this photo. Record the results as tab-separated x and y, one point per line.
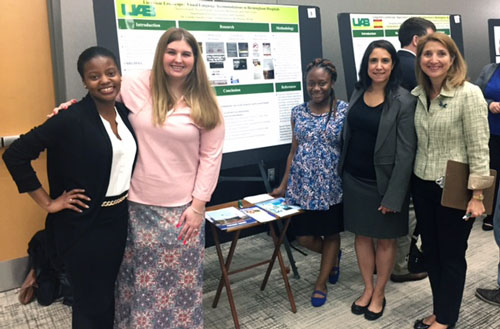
409	33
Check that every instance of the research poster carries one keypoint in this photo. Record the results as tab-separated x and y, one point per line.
251	52
367	28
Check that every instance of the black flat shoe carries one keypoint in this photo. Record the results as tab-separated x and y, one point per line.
358	310
372	316
419	324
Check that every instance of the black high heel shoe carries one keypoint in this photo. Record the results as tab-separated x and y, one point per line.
372	316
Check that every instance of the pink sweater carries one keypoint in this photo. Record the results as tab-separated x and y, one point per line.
176	161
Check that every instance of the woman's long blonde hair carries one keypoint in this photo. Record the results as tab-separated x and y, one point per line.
457	74
198	93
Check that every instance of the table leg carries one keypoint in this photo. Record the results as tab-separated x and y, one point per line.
224	280
277	253
288	250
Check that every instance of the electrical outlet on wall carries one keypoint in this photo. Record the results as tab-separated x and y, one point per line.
271	174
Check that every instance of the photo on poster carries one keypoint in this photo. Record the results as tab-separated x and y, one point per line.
243	49
215	48
255	49
216	65
232	49
257	70
268	69
240	64
266	48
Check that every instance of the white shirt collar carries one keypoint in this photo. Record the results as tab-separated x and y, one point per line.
409	51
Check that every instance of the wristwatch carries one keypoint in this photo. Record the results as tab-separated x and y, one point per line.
479	197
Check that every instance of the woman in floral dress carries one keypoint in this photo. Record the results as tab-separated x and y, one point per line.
311	179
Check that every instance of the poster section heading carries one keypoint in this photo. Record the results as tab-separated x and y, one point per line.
367	28
251	52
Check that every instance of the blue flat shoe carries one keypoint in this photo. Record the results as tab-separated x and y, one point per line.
318	301
335	273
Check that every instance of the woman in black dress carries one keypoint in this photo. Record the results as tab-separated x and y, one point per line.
377	157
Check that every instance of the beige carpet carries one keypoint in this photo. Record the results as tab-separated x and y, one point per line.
271	309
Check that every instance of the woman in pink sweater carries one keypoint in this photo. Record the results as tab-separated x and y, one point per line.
180	133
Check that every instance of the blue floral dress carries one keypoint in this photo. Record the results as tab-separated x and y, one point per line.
314	182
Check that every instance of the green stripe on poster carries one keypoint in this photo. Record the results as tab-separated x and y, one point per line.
244	89
368	33
143	24
288	86
224	26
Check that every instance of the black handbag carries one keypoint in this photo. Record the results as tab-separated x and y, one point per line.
416	262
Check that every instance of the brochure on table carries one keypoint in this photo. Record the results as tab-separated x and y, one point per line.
251	52
279	207
228	217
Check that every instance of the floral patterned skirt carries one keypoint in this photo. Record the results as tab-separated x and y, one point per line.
160	283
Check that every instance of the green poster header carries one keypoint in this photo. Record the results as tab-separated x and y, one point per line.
143	24
391	33
445	31
367	33
244	89
224	26
288	86
294	28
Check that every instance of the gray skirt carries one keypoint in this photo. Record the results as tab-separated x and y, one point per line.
361	217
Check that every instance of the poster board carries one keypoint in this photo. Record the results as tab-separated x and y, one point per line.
254	53
358	30
494	34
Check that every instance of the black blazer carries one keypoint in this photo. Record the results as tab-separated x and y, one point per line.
407	68
395	146
79	155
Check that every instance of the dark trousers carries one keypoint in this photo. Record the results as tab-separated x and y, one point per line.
92	266
444	241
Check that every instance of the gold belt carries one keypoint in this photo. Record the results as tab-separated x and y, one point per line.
114	202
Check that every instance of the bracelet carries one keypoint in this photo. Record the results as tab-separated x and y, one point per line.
197	211
479	197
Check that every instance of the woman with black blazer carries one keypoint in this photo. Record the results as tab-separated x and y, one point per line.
377	157
90	155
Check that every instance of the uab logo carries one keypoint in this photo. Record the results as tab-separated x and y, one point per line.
361	22
138	10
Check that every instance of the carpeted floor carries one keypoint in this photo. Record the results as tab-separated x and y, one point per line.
271	309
